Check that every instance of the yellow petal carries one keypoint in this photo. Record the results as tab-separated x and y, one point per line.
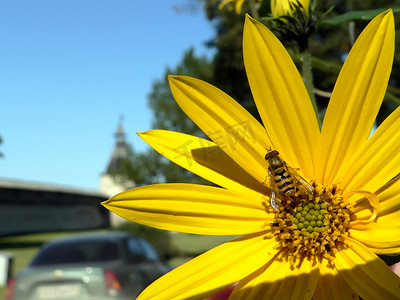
357	96
389	204
389	198
378	159
277	280
227	123
281	97
223	3
374	204
365	273
192	208
288	7
212	271
380	238
331	286
382	235
238	6
203	158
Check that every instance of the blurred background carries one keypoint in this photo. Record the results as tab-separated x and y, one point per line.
79	78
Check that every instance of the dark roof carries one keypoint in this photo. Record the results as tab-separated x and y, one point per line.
46	187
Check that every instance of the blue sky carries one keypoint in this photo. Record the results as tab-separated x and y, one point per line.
70	68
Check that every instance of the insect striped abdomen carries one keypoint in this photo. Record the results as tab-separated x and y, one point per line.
284	181
285	184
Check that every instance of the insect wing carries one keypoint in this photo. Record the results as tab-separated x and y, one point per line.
275	202
301	182
275	194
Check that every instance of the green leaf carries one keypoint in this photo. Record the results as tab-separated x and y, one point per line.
357	15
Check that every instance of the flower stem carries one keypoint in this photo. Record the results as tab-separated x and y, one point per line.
306	70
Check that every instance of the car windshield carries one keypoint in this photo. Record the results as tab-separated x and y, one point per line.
77	252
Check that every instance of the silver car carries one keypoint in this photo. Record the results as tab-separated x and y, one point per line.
106	265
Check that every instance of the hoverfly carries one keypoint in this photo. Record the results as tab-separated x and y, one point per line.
284	181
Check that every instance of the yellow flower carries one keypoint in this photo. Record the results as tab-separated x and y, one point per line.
355	206
238	4
287	7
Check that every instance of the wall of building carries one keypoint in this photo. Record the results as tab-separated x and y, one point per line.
33	208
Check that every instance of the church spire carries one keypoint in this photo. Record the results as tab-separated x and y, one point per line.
110	182
120	152
120	133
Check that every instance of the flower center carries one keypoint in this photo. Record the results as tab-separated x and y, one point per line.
313	226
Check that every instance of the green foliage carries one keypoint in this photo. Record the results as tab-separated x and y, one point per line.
141	168
334	39
167	114
296	27
329	45
229	71
357	15
150	167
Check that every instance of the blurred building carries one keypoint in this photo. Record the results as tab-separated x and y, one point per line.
110	183
32	207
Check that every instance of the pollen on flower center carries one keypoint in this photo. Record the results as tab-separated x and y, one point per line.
313	226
